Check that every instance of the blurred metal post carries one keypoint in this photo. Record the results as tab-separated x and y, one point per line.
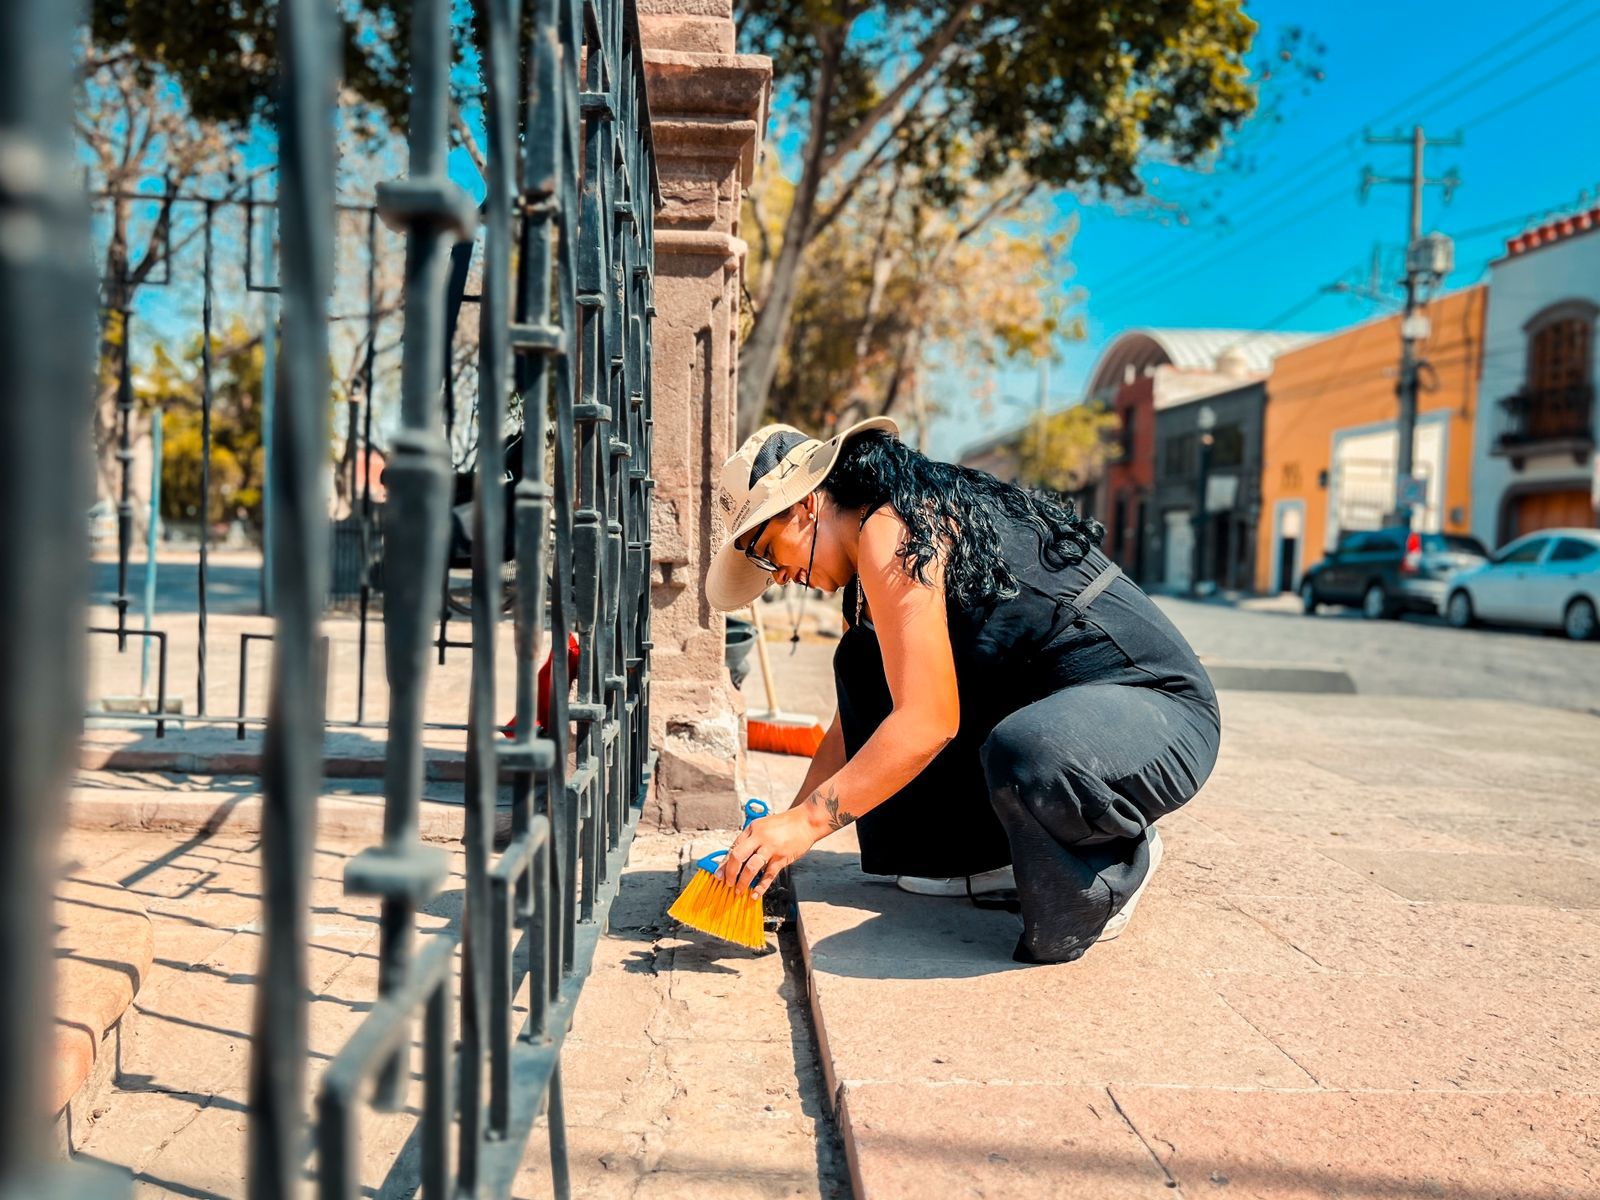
292	753
205	458
269	408
125	469
157	437
47	306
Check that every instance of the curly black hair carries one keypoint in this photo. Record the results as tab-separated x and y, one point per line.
954	506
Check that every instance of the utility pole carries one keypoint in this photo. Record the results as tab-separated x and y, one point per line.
1427	261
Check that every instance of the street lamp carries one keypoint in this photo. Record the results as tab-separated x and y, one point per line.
1206	420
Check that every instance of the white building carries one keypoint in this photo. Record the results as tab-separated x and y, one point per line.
1534	442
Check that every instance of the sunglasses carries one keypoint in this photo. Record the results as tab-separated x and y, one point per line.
760	560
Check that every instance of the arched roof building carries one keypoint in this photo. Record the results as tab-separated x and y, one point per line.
1137	352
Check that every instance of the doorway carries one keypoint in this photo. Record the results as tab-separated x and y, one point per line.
1288	536
1288	547
1560	507
1179	546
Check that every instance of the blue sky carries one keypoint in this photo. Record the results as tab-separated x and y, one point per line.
1519	83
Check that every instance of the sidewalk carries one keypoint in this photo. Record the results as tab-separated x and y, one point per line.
1369	967
689	1071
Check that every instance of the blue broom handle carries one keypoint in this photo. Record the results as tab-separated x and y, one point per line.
754	810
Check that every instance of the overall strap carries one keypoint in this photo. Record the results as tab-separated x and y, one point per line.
1096	585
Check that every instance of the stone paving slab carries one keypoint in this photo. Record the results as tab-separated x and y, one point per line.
1368	1145
1364	970
1029	1140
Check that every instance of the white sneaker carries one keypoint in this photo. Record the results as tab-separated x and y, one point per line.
1119	922
1000	879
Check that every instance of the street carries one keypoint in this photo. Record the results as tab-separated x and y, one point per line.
233	580
1413	656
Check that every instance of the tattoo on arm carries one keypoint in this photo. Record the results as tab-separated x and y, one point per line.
827	799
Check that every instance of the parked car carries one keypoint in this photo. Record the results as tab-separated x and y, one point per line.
1547	580
1386	572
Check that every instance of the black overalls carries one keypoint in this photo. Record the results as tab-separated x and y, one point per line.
1078	728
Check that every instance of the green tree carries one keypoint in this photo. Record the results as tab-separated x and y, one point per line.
1040	93
225	56
895	283
1066	451
238	459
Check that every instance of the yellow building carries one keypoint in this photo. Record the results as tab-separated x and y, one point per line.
1328	459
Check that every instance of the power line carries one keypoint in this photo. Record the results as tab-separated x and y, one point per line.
1500	227
1558	36
1142	289
1294	176
1538	89
1139	290
1147	287
1294	310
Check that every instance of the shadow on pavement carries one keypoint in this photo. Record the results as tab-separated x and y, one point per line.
873	930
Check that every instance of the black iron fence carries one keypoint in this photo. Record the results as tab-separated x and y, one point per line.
185	227
1564	415
564	325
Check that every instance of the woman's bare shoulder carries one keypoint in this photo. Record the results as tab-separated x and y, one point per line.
882	551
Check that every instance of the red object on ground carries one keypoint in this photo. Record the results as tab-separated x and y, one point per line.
542	697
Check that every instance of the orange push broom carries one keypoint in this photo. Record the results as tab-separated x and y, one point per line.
713	907
773	731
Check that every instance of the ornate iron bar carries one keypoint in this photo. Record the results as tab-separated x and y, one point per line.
564	315
47	305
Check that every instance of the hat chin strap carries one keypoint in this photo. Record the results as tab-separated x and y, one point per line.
794	638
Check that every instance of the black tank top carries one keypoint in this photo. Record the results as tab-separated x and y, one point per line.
1012	651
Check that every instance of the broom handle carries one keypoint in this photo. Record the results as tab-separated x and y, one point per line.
766	664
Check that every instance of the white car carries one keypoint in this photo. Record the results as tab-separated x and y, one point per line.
1549	580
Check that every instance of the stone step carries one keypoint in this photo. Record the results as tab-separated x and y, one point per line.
104	952
216	750
234	806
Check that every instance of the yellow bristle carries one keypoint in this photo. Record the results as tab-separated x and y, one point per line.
714	908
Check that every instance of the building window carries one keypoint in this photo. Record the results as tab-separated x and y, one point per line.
1227	446
1179	459
1558	349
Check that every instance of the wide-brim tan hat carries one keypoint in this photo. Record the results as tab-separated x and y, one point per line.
777	466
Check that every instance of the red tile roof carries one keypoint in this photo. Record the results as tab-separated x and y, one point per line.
1553	231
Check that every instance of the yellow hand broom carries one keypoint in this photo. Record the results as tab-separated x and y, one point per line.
773	731
713	907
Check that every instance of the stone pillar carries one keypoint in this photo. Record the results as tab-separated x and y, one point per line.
708	110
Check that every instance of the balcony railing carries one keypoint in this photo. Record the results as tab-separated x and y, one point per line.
1547	420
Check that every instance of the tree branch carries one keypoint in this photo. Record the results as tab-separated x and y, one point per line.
864	170
930	53
148	261
1006	202
93	66
468	140
764	275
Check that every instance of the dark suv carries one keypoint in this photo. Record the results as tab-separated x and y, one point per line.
1386	572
